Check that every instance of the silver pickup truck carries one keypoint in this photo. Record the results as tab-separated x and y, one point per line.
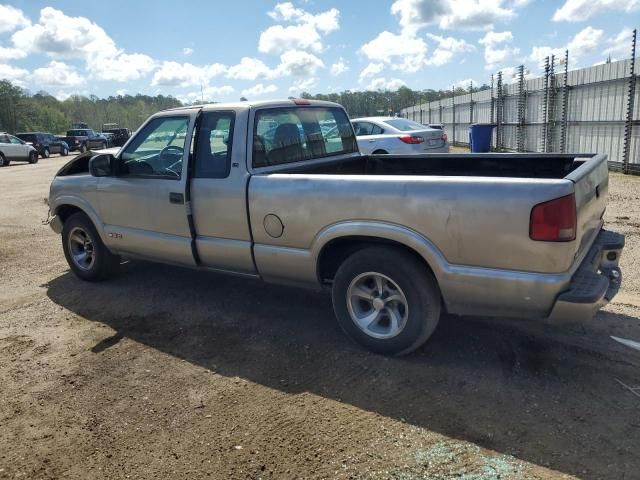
278	191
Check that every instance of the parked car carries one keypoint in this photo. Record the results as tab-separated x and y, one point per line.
396	135
45	143
396	239
109	137
119	135
13	149
83	139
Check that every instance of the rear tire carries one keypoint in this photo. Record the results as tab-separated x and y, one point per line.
4	162
386	300
65	152
83	148
380	152
33	157
87	256
46	153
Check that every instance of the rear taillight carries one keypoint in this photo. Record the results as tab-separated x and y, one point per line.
411	139
444	137
554	221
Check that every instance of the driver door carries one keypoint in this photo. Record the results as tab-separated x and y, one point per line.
143	206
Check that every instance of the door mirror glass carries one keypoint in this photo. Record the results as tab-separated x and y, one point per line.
102	165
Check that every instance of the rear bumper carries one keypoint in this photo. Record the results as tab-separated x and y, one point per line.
595	283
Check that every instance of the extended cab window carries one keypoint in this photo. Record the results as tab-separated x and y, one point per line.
287	135
157	150
213	146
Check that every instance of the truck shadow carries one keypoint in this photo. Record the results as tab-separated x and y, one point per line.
542	394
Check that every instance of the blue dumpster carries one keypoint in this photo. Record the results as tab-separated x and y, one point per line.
480	137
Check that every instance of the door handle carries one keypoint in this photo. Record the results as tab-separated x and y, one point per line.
175	197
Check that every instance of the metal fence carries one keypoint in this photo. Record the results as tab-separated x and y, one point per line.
593	109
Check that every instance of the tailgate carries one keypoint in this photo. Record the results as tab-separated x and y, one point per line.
591	184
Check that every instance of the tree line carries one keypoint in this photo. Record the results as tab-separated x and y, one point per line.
21	111
377	103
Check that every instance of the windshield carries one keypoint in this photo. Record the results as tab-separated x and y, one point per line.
404	125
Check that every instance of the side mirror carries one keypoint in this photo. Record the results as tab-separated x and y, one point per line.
102	165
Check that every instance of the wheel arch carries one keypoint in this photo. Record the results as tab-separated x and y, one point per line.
334	244
67	206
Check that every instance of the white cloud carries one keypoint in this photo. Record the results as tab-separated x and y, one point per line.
581	10
620	45
454	14
250	69
371	70
186	51
402	52
185	74
11	18
382	83
303	86
298	63
447	48
14	74
60	36
123	67
497	50
9	53
466	83
278	39
339	67
325	22
57	74
586	41
304	33
122	92
258	90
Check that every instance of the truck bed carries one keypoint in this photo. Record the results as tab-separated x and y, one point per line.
542	165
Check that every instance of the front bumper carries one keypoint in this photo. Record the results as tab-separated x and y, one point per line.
595	283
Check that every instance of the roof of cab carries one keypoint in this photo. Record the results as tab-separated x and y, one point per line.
255	104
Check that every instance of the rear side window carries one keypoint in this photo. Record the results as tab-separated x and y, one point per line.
288	135
213	146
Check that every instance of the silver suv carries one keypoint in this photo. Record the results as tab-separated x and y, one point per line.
14	149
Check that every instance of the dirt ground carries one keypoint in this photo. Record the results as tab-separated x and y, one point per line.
171	373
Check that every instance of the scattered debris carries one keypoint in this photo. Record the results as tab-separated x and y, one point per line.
626	342
634	390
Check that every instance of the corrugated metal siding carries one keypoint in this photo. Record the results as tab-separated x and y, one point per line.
596	111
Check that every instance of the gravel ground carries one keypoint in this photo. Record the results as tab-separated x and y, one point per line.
169	373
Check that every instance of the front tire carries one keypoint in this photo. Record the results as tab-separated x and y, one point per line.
386	300
65	152
33	157
83	148
46	153
86	255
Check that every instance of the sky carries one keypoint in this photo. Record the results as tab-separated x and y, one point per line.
258	49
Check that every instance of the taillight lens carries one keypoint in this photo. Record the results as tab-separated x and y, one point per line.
412	139
554	221
444	137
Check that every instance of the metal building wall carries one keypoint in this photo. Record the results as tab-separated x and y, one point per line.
595	115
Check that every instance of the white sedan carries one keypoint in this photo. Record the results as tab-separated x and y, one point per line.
395	135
